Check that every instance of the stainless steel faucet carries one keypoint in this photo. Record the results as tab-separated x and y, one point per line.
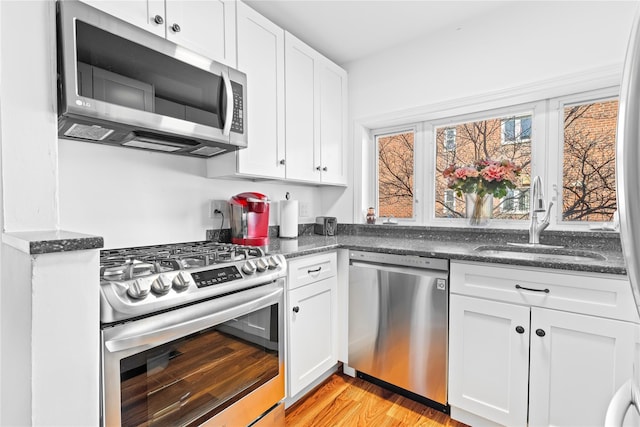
537	198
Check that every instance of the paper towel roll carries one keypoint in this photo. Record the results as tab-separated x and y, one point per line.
289	218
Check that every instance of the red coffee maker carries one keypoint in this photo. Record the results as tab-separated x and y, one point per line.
249	219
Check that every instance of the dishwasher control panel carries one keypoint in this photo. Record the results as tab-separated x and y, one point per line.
397	259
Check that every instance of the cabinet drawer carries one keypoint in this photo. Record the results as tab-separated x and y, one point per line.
589	293
310	269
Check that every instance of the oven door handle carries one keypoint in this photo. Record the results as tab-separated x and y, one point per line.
198	317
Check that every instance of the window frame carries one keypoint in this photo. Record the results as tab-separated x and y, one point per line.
537	111
577	87
382	132
556	162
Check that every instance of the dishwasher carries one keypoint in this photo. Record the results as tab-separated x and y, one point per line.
398	323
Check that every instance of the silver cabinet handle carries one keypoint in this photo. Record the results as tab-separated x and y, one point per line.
175	28
158	19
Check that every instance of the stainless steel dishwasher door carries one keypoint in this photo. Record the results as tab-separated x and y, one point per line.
398	325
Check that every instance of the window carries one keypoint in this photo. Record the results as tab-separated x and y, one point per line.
475	141
516	130
516	202
395	174
588	161
449	207
572	149
450	139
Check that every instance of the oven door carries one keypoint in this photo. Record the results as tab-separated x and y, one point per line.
219	361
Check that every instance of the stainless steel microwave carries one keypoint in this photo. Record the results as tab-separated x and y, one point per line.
121	85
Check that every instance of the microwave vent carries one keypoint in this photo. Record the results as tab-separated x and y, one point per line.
208	151
160	143
91	132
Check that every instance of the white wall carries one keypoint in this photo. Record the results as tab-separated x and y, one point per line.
28	118
515	44
133	197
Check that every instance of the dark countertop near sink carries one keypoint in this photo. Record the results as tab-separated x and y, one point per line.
437	242
460	244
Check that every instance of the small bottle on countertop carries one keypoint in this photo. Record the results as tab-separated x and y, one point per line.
371	216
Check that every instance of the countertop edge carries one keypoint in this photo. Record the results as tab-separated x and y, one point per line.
51	241
613	265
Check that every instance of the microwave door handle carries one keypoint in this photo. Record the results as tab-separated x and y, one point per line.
229	113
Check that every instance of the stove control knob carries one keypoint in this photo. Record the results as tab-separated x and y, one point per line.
161	285
139	289
181	281
262	264
249	267
274	262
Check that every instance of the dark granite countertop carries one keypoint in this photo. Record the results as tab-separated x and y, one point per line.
49	241
461	245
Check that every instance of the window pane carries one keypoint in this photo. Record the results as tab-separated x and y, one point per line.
482	140
509	130
395	175
588	170
525	123
450	139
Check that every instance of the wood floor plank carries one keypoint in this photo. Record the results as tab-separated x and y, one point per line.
343	401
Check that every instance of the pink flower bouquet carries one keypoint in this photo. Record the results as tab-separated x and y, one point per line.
484	177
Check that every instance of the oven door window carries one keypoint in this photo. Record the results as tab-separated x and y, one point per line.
191	379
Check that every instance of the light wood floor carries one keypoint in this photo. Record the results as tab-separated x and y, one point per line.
352	402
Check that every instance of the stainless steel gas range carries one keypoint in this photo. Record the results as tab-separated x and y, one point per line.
192	334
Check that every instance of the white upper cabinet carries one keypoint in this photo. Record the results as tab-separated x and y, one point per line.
204	26
146	14
315	115
261	57
333	123
302	115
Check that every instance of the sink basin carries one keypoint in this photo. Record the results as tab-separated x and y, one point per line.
540	252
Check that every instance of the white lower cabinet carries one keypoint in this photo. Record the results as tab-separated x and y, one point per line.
488	359
312	320
520	364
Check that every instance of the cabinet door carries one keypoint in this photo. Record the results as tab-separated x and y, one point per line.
577	364
488	359
141	13
302	114
333	116
204	26
313	337
261	57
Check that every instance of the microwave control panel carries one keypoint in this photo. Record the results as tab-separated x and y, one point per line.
237	125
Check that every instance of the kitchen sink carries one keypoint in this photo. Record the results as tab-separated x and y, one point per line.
540	252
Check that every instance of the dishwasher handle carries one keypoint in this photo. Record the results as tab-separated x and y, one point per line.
400	269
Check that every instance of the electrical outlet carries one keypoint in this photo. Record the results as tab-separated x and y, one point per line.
222	206
304	209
